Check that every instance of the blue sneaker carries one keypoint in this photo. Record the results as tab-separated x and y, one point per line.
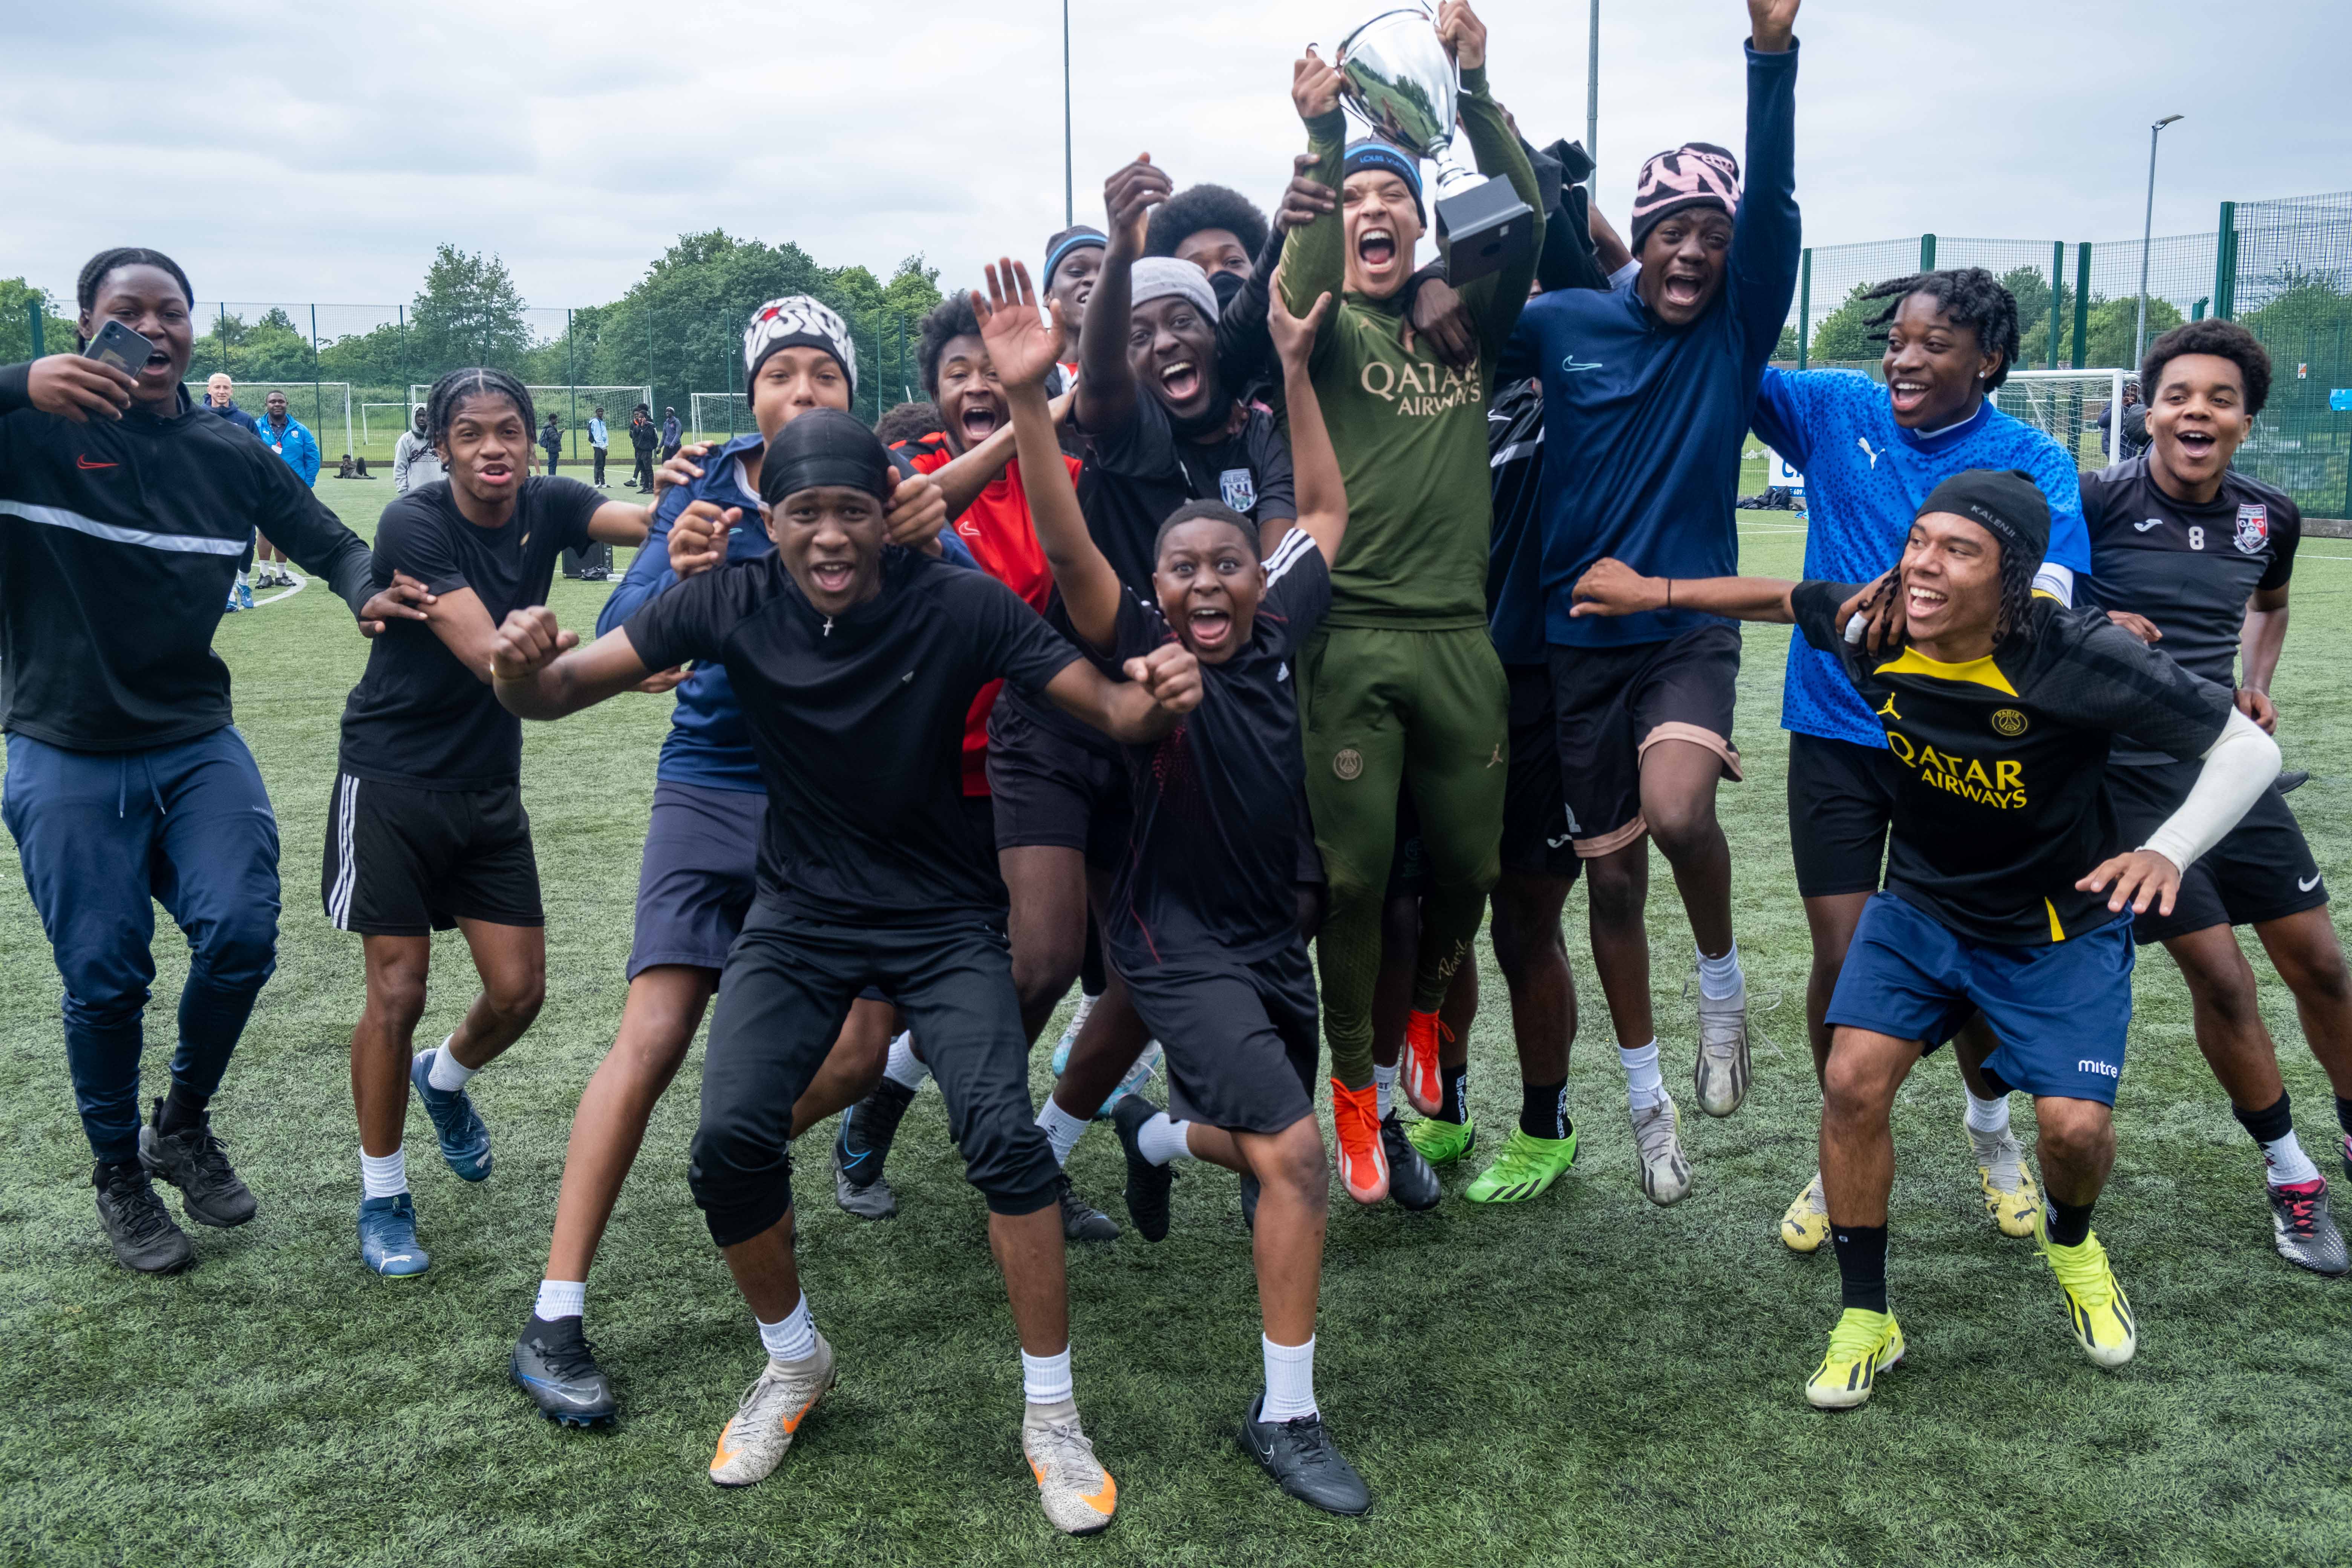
1137	1077
244	596
465	1142
388	1236
233	606
1070	1035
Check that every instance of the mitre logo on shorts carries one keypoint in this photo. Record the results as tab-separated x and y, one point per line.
2009	721
2254	527
1348	763
1237	487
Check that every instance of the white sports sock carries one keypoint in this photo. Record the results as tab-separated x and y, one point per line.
447	1072
2287	1161
904	1067
383	1177
1384	1087
1645	1085
1289	1380
1061	1130
1160	1139
1719	978
1987	1115
793	1340
560	1299
1045	1378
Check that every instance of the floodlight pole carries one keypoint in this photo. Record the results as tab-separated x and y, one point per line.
1070	189
1592	104
2146	227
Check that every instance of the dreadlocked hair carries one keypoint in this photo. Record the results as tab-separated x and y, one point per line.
442	403
2016	595
1971	297
95	270
1197	207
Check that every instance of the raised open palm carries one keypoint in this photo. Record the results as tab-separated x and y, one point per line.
1022	345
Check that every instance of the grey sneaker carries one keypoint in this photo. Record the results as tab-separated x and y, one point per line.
1719	1077
1658	1150
756	1438
2009	1195
2303	1230
1077	1493
873	1201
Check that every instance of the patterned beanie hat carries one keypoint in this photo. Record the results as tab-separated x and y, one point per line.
798	322
1694	174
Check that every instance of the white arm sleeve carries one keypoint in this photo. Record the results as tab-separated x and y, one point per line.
2238	767
2056	581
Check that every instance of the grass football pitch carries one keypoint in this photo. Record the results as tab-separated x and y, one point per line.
1580	1379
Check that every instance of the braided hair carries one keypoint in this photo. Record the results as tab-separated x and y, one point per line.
1197	207
2016	597
1971	297
95	271
441	404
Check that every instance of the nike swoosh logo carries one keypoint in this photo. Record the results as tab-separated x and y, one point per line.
1572	365
2144	527
2306	887
88	466
1556	843
726	1454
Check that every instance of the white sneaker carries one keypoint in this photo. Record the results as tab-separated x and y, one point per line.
1070	1035
1658	1150
758	1435
1719	1077
1077	1493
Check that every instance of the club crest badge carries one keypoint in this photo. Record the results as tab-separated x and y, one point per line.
1237	487
2254	527
2009	721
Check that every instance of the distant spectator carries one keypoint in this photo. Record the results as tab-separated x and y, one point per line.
220	396
643	437
286	435
907	422
550	441
415	463
599	440
672	438
2134	422
352	468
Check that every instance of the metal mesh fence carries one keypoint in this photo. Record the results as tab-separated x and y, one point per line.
2290	283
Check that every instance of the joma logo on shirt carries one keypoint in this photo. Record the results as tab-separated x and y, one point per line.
1418	390
1962	777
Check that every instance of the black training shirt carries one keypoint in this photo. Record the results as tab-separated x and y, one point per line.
857	722
2189	569
1215	849
2000	801
419	717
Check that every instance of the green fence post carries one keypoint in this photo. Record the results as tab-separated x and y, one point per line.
2081	299
2225	264
1927	253
651	390
1804	308
224	336
571	371
318	397
2057	285
731	393
33	314
2197	311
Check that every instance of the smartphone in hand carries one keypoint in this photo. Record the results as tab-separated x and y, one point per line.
119	346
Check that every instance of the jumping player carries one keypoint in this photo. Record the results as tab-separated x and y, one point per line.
1999	709
2187	547
855	664
428	829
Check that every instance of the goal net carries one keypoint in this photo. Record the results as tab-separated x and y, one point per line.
2073	407
392	425
318	404
721	415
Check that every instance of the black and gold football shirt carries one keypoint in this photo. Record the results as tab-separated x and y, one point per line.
2001	802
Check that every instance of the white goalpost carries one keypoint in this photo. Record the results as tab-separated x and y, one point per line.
298	395
406	416
2067	405
718	414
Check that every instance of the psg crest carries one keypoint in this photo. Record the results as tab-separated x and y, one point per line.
1237	487
2254	527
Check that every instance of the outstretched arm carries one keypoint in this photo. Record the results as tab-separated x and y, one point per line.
1024	348
1315	466
1494	300
1106	387
1612	588
1160	687
1314	257
541	671
2238	767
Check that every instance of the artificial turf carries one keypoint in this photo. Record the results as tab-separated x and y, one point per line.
1580	1379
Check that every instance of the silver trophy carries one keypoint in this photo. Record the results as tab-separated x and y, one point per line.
1401	83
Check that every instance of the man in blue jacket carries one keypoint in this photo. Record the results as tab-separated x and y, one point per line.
1647	391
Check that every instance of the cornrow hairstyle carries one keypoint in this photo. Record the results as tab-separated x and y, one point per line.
1197	207
952	317
1216	511
441	404
95	270
2224	340
2016	597
1971	297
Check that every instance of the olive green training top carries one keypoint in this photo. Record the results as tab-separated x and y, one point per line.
1410	433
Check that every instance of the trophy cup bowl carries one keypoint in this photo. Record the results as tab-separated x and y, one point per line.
1401	83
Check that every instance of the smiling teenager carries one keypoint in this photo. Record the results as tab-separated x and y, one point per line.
2185	546
873	871
1400	686
428	830
123	510
1999	708
1870	455
701	866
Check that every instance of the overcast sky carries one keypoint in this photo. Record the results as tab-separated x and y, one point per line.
319	152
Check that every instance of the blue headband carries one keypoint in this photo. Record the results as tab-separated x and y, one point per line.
1371	153
1077	240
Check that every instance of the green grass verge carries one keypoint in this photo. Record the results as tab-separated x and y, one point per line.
1583	1378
